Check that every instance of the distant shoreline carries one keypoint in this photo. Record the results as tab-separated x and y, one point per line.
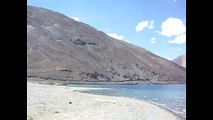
42	103
128	82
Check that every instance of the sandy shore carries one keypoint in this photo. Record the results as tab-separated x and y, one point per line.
53	102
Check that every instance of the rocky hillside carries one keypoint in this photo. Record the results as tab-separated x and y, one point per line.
181	60
60	48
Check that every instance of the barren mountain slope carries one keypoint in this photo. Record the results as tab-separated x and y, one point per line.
60	48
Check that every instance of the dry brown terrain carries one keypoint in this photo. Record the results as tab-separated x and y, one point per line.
60	48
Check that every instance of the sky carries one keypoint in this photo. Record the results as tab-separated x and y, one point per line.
156	25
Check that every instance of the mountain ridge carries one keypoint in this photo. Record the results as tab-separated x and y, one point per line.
181	60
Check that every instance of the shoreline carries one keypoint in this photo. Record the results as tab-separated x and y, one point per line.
40	105
167	109
153	103
128	82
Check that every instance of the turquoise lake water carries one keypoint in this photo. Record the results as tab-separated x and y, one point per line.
172	96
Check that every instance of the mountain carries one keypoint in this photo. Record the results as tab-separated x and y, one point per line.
181	60
62	49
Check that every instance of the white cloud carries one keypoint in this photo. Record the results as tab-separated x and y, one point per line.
168	58
180	39
157	31
75	18
151	25
153	40
141	25
172	27
144	24
179	49
116	36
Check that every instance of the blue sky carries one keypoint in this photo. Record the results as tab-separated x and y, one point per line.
156	25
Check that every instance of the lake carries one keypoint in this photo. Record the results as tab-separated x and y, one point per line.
171	96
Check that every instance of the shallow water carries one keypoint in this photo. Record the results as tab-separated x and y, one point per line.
172	96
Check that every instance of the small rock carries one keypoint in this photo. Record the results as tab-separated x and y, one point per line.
70	102
56	112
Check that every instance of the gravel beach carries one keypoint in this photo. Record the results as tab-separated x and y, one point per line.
54	102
